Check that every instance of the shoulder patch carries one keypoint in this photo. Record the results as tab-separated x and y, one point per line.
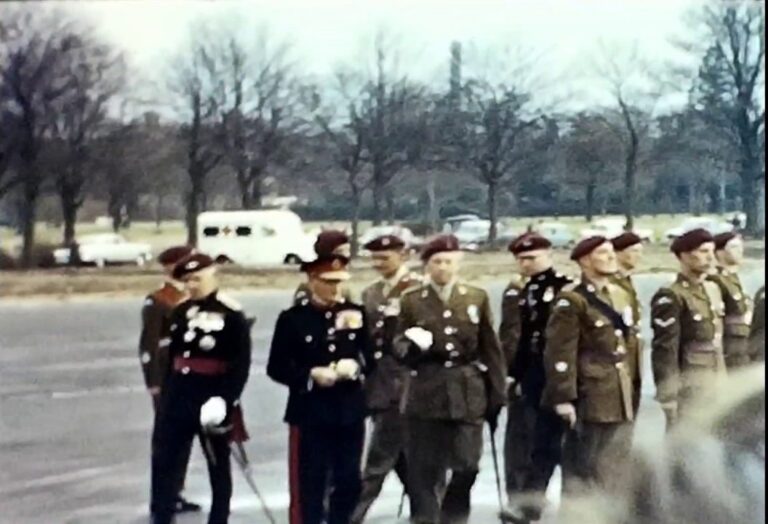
230	302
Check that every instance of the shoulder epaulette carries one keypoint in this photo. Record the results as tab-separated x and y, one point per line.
230	302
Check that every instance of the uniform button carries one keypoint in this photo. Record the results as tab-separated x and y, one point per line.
379	342
378	355
185	370
455	354
352	336
448	364
308	338
328	315
449	346
449	330
332	348
447	314
189	336
380	324
145	358
173	327
599	323
187	354
619	333
619	365
304	302
621	350
331	331
536	334
381	308
697	317
414	373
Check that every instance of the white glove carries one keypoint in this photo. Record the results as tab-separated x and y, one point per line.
213	412
567	412
347	369
324	377
420	336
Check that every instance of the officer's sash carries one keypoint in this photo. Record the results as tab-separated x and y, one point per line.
616	319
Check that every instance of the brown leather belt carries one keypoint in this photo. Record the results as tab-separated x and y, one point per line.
700	347
200	366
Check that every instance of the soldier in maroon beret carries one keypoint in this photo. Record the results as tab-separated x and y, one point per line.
154	342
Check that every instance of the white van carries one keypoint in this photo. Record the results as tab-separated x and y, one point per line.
254	238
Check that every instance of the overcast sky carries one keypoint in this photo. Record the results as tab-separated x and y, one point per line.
324	33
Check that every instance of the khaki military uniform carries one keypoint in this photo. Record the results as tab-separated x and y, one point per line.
757	330
636	345
453	385
738	318
384	389
589	362
687	349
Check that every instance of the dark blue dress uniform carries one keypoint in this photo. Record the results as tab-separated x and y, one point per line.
540	435
327	423
210	354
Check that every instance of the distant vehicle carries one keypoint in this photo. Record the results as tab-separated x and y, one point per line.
452	223
105	248
613	227
713	225
559	234
254	238
412	242
472	234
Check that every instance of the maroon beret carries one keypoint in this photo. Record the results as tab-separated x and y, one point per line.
192	264
173	255
691	241
328	241
385	243
586	246
439	244
722	239
626	240
528	242
330	267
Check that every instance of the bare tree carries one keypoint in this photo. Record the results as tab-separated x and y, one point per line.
33	83
96	73
260	100
195	80
627	77
590	153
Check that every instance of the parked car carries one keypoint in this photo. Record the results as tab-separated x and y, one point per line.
713	225
412	241
254	238
613	227
559	234
472	234
105	248
453	223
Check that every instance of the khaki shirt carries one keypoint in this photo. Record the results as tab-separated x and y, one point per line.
511	325
462	375
687	347
738	316
587	360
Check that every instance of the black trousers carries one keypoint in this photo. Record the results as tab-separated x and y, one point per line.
182	472
386	452
596	455
435	448
325	459
175	428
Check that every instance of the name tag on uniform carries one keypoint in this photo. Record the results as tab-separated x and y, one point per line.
349	319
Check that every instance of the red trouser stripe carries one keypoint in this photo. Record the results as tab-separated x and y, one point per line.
293	475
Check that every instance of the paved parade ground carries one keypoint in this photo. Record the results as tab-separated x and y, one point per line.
75	421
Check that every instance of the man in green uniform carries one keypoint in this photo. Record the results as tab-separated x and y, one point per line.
447	338
757	331
384	388
588	365
629	252
687	321
328	242
729	251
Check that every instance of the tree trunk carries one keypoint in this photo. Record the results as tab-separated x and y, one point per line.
159	210
630	167
245	190
355	221
193	205
28	217
69	213
378	196
390	205
721	195
257	196
590	198
433	213
759	229
492	190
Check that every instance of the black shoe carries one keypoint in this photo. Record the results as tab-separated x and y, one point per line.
185	506
512	515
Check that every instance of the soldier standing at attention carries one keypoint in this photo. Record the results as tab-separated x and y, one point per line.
533	445
446	336
757	331
729	251
154	342
210	353
588	370
320	351
687	348
384	387
328	242
629	252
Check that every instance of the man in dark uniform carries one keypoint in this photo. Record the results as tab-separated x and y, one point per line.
154	342
729	251
534	433
587	361
328	242
384	387
629	252
687	320
210	356
446	336
320	351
